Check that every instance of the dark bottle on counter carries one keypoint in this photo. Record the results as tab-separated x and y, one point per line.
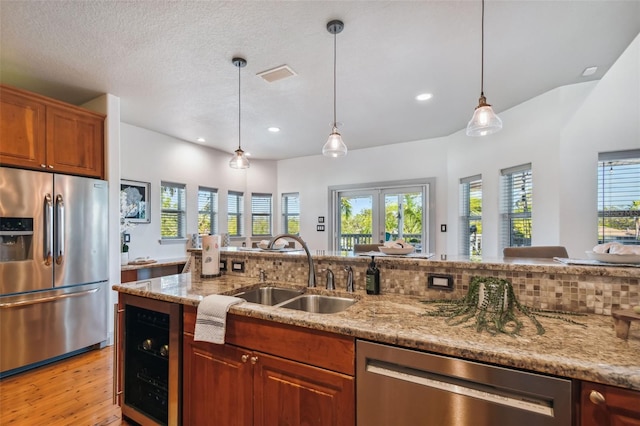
373	278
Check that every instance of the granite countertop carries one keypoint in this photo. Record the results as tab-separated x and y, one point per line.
156	264
591	353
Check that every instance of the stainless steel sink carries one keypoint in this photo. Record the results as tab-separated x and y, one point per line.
269	295
319	304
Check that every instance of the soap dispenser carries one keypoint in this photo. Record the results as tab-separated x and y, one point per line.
373	278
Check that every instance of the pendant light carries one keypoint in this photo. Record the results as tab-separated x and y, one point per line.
334	147
484	121
239	160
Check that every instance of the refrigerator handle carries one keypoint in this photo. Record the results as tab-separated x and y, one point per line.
48	229
60	229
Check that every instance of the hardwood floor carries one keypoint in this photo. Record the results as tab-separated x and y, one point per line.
76	391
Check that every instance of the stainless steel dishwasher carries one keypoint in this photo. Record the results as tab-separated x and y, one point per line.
403	387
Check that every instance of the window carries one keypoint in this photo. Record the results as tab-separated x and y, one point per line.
619	197
235	209
261	214
291	213
471	216
382	211
207	210
516	206
173	213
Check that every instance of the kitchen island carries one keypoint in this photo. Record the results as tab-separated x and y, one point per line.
589	352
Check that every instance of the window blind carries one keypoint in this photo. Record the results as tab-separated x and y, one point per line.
471	215
235	210
291	213
619	197
261	214
516	206
173	210
207	210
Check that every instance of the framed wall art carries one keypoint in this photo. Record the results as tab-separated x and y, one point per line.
135	201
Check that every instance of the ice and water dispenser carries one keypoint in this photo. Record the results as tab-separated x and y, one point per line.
16	238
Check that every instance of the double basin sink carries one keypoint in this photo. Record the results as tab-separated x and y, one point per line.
295	299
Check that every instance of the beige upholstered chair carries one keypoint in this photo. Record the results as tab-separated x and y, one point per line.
365	247
544	252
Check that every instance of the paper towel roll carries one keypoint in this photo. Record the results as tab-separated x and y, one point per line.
210	256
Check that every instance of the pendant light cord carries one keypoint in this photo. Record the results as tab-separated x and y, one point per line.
335	36
482	53
239	106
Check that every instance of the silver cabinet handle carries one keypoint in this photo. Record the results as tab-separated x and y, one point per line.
48	229
60	229
245	358
254	359
116	360
46	299
597	398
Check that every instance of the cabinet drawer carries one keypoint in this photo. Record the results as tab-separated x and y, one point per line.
327	350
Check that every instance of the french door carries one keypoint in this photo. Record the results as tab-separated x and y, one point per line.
376	215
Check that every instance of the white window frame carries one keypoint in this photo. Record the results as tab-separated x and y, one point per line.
469	185
290	201
235	207
516	192
180	211
258	213
618	188
428	186
212	212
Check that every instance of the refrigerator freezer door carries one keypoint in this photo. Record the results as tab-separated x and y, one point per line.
41	325
81	231
23	195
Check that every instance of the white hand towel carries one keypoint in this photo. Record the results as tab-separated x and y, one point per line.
211	320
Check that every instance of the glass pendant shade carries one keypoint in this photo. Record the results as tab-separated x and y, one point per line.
484	121
239	160
334	147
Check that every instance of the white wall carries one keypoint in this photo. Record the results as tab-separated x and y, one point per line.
110	105
153	157
559	133
609	120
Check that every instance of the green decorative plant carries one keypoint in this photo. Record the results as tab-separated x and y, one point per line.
493	304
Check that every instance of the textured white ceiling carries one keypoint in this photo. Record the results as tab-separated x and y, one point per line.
170	62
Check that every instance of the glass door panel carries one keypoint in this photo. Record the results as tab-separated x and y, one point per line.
403	215
356	219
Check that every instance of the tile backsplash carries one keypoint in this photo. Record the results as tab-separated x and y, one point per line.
534	286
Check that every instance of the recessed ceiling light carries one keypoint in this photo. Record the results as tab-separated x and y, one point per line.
200	140
274	129
589	71
424	96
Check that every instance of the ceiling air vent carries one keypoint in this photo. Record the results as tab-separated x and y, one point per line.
278	73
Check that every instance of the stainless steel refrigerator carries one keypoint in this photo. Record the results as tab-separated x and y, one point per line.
53	266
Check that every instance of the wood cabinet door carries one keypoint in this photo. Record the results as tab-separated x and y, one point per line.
22	131
217	384
75	142
602	405
290	393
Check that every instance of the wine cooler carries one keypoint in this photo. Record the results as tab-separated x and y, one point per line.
150	360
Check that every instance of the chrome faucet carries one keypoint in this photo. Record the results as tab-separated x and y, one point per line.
330	280
350	287
263	276
312	270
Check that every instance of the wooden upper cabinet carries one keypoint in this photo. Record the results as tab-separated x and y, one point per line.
44	134
22	131
75	142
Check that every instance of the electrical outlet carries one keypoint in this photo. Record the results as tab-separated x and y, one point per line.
223	265
237	266
440	282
